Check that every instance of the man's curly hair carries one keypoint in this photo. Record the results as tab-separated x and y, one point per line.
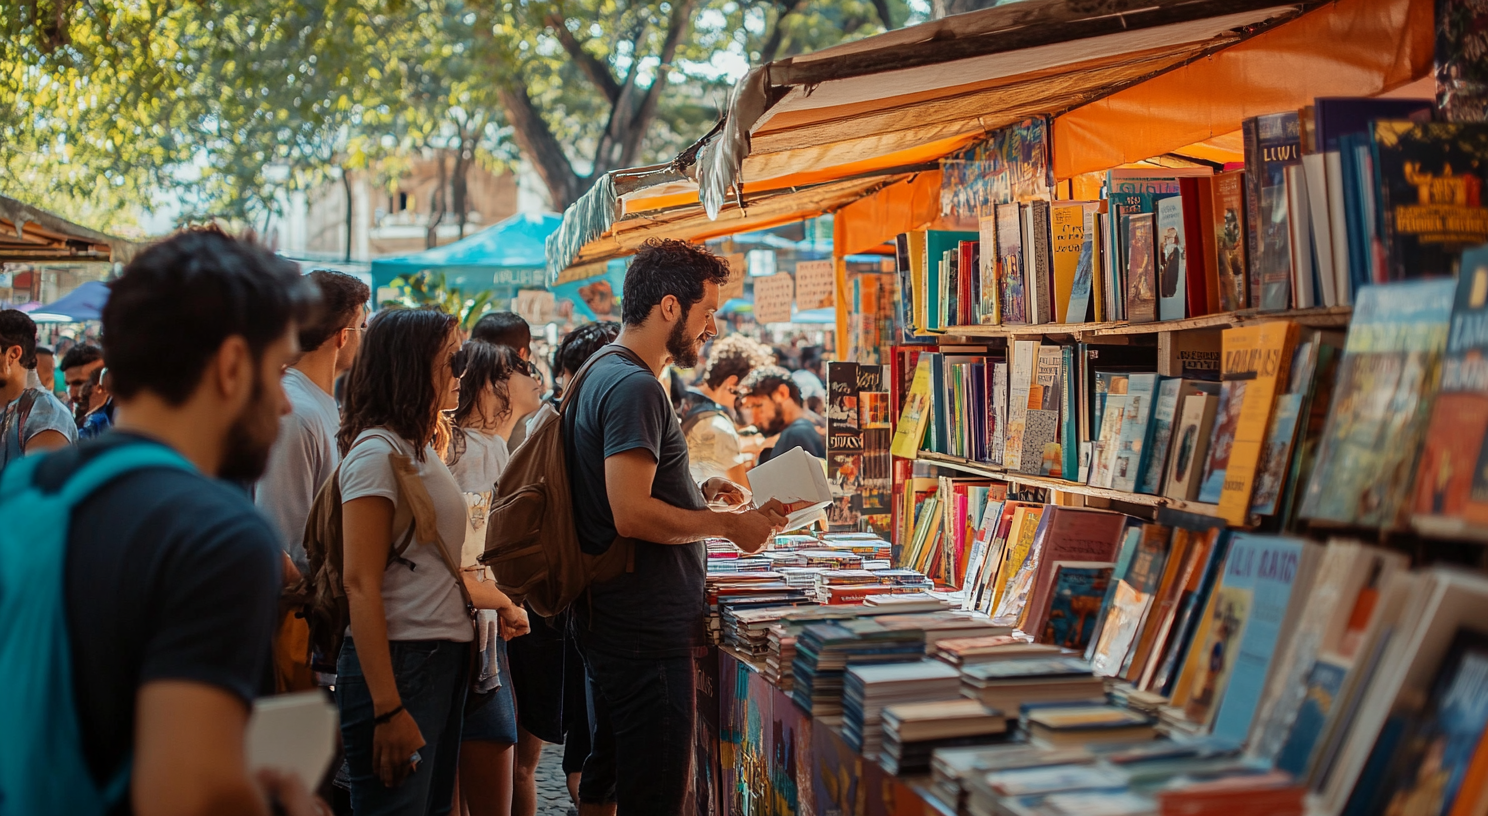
735	355
667	267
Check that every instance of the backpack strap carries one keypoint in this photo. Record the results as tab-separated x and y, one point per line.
607	350
424	520
15	441
401	545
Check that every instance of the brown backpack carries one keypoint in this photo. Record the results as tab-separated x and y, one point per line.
532	544
321	591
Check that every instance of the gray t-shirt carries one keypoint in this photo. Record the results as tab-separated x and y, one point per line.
47	414
480	463
302	459
421	601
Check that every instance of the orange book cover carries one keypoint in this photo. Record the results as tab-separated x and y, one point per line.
1472	795
1257	356
1167	590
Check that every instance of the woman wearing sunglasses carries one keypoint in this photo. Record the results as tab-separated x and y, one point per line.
496	389
403	670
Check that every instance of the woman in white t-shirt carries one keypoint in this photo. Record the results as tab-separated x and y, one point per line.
404	668
496	390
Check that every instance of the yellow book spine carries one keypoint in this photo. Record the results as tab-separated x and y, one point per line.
1260	356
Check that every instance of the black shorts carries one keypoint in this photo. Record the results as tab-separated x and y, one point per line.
642	714
537	670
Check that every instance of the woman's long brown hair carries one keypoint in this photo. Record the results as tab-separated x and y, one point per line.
391	384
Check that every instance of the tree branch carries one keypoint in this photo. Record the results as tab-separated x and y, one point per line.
640	123
771	48
622	113
593	67
541	147
885	16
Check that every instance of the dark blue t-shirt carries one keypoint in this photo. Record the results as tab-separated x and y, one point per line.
658	610
171	575
799	434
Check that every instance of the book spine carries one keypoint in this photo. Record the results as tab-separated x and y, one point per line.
1043	260
1250	134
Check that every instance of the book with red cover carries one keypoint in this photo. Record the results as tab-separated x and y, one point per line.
1198	229
1069	534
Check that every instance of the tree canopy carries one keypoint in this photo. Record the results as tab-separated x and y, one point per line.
108	105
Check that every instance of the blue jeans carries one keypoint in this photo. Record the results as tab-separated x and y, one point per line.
641	713
432	678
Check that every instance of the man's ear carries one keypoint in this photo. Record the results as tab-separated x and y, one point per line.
731	381
232	370
782	393
342	338
671	308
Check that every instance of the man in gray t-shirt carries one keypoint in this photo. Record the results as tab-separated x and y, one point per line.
34	420
305	455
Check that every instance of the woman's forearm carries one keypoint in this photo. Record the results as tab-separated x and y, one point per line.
369	631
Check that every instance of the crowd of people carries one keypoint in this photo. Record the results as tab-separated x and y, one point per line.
248	437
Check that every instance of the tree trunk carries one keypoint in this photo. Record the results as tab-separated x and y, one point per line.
541	147
945	8
437	205
458	180
346	185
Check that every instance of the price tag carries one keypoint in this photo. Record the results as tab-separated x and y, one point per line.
772	298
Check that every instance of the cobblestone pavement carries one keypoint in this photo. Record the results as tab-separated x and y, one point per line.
552	790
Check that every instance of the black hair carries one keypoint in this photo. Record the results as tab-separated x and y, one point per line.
486	365
341	299
762	382
581	343
78	356
391	384
503	329
18	329
177	301
668	267
734	355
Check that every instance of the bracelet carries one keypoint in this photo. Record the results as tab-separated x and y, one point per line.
384	719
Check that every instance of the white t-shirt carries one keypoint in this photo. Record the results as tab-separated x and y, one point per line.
713	448
421	603
302	459
476	471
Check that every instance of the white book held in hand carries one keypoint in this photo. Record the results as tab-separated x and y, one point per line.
798	480
293	733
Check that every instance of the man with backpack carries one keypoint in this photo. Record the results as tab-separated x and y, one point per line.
138	632
627	464
713	444
33	419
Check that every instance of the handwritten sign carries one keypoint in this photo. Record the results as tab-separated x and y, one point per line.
772	298
816	285
735	286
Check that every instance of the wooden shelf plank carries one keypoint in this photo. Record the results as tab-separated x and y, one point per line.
1322	317
993	472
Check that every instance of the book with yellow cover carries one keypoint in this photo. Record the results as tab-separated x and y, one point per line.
1020	540
910	431
1067	231
1258	357
917	290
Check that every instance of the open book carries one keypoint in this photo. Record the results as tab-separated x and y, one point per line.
798	480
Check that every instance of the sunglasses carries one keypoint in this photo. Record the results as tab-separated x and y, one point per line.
457	363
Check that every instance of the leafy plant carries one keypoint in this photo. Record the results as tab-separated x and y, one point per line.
428	288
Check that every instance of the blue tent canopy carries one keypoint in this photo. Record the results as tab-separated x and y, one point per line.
83	303
510	254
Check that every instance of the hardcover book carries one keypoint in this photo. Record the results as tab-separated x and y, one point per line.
1451	491
1164	414
1068	534
1172	268
1276	455
1040	267
1078	588
1141	272
1222	439
1259	356
1190	447
1431	178
910	431
990	303
1013	284
1230	242
1367	455
1041	450
1021	373
1077	310
1198	244
1132	599
1272	142
1067	224
1136	429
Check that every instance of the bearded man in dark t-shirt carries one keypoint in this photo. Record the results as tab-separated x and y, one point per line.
628	466
773	401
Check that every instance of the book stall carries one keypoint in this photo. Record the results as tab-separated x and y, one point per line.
1166	492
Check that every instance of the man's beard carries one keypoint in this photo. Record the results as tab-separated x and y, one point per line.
682	346
245	453
776	425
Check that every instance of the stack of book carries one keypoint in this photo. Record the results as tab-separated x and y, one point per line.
830	559
734	592
780	654
847	586
912	732
966	651
825	650
1056	726
747	630
1007	685
868	689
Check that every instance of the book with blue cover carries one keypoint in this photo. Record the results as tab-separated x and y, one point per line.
1136	431
1079	588
1263	570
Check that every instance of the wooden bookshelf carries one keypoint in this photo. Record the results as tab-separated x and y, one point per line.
1321	317
1066	486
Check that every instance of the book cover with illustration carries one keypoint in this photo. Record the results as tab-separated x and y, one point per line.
990	303
910	430
1164	414
1430	178
1230	242
1190	447
1041	453
1013	280
1432	757
1276	456
1136	431
1266	568
1259	356
1068	534
1172	266
1079	588
1451	493
1067	222
1221	440
1272	142
1132	599
1141	272
876	484
1077	309
1367	454
1324	683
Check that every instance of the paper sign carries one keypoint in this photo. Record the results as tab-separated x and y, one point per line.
293	733
798	480
735	286
816	285
536	306
772	298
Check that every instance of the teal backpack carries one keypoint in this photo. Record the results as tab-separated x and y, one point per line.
42	765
